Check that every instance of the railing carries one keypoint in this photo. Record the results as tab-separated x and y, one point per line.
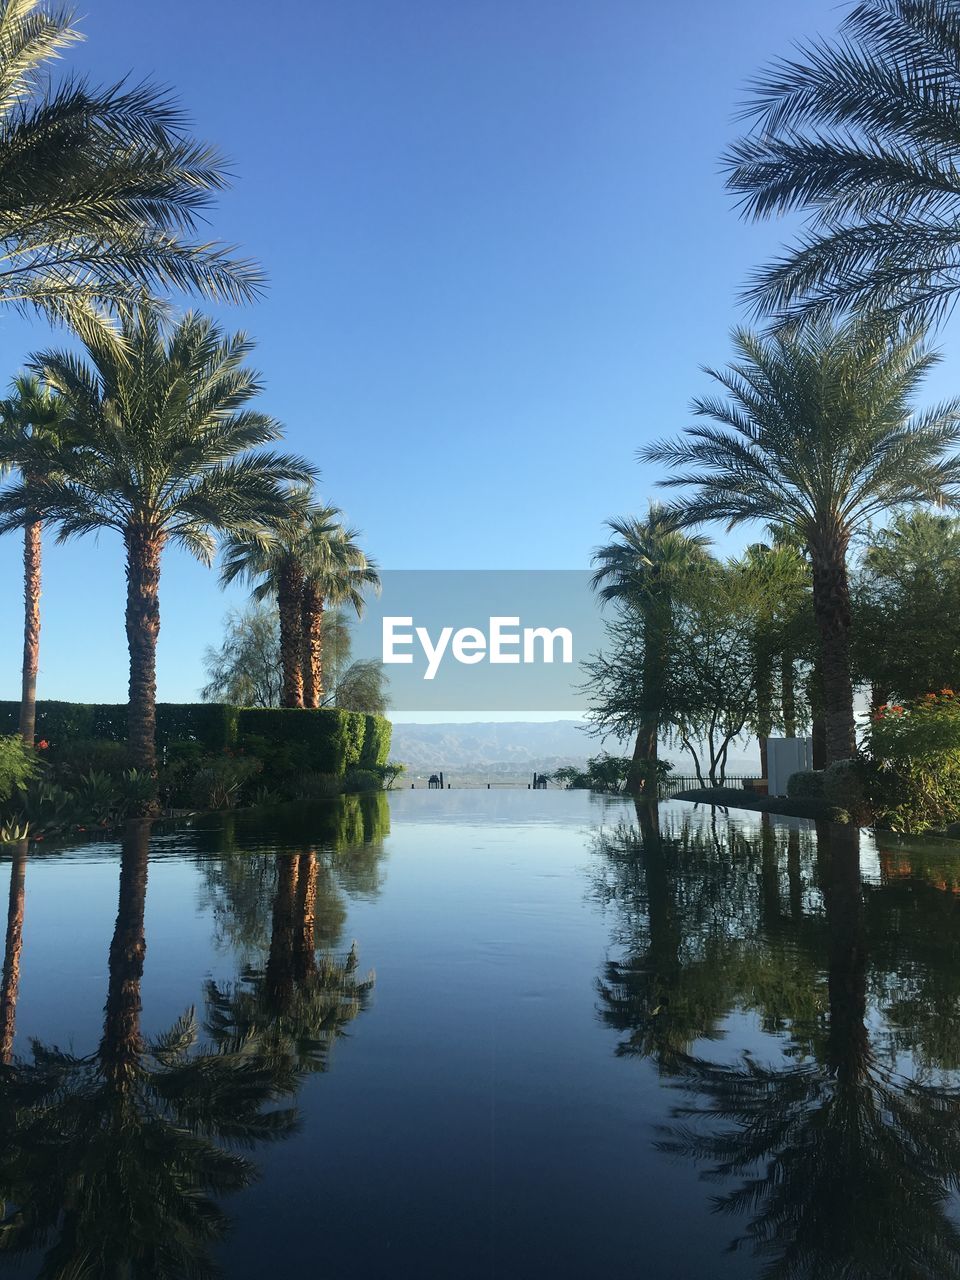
676	782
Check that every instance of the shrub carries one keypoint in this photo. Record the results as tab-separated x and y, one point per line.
916	748
805	784
309	784
135	793
81	755
219	784
18	765
355	780
95	799
847	787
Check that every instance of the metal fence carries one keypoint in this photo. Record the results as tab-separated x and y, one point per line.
676	782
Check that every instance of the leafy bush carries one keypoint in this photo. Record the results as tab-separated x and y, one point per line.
916	748
846	786
390	773
18	765
355	780
95	798
81	755
310	784
135	793
219	784
808	782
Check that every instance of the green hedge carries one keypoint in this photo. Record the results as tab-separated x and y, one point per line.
376	742
213	724
332	741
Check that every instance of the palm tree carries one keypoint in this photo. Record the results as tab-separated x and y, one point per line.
336	573
31	408
798	1136
863	136
816	433
785	574
273	559
168	453
298	1003
116	1160
641	569
102	187
304	563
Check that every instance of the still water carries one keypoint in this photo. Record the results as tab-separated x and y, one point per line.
482	1034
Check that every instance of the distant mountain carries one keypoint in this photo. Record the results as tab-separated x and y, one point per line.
516	748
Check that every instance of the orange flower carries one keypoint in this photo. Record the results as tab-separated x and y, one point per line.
897	710
930	697
947	693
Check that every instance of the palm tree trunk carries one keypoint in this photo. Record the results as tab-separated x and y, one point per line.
312	646
279	975
11	952
848	1050
144	550
818	727
306	916
764	681
788	693
642	774
290	605
121	1046
31	630
831	605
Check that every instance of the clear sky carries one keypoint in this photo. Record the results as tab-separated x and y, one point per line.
499	250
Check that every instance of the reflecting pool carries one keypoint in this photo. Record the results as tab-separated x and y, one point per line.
481	1034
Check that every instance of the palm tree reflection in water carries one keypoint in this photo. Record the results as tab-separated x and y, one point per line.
112	1163
844	1167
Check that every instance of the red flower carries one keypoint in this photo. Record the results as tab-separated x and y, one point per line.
897	710
42	744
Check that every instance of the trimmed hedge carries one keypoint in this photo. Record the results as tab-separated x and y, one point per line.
331	740
376	742
805	784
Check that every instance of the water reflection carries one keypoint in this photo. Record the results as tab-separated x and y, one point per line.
115	1163
840	1163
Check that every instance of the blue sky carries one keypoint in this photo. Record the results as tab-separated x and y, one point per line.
499	250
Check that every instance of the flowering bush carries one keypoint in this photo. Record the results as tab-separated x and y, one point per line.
916	746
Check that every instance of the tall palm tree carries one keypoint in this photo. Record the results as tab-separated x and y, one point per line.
337	572
31	408
102	187
785	574
816	432
862	135
167	452
641	570
302	563
273	559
